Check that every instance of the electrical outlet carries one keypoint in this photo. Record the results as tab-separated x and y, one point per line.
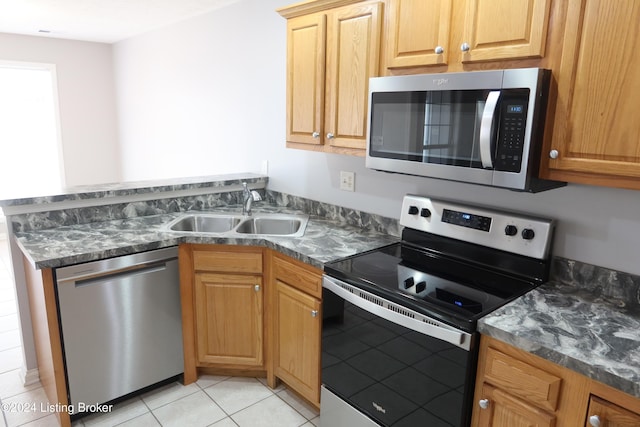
347	181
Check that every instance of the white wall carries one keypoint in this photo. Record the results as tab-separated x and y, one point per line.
208	96
86	96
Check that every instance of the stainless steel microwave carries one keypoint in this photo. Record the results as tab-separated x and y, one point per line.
480	127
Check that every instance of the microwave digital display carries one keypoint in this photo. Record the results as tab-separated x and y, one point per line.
515	109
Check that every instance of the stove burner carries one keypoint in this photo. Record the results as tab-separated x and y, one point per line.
379	265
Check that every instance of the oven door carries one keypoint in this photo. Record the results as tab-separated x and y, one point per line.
385	365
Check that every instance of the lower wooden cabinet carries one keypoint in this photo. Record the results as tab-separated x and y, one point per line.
296	326
229	312
223	298
517	389
503	409
251	311
603	413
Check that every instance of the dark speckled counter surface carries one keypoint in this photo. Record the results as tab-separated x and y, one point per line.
323	241
586	319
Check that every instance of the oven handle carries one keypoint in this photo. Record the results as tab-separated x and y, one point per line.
455	337
486	125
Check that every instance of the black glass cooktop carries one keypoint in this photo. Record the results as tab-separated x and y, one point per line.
441	285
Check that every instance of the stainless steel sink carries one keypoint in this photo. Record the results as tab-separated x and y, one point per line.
205	223
271	226
263	224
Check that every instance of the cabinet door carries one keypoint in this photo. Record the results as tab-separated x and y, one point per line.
596	129
353	55
298	323
606	414
419	32
504	410
505	29
305	78
229	323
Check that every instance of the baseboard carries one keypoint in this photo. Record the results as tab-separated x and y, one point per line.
30	376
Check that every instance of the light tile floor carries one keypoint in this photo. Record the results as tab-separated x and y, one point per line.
211	401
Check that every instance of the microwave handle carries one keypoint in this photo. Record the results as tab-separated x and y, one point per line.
486	124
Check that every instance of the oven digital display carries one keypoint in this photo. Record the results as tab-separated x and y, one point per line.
468	220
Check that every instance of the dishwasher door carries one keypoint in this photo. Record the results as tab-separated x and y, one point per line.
121	324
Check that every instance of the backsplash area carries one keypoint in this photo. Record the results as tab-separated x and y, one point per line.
604	285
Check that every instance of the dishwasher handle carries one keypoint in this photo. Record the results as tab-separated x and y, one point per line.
101	278
115	265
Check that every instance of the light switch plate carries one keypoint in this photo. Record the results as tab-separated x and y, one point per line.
347	181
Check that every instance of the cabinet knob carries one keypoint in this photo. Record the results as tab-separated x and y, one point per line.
439	50
330	135
315	134
594	420
554	154
256	288
465	47
314	313
484	403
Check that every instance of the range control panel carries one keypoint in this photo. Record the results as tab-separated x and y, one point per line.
508	231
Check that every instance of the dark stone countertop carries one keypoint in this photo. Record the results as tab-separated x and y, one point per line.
102	191
323	241
578	327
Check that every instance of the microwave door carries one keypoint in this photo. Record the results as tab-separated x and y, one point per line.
487	125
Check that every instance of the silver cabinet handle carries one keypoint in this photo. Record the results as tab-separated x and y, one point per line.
554	154
594	420
439	50
315	134
330	135
314	313
484	403
256	288
465	47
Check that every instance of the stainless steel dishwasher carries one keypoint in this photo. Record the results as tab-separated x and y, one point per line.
121	324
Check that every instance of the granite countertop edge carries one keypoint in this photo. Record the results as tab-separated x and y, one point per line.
103	191
573	328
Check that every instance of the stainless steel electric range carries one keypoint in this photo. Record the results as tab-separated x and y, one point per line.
399	343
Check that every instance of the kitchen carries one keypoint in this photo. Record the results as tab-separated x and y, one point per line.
164	89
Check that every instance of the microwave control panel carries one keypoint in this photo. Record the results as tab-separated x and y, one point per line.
513	119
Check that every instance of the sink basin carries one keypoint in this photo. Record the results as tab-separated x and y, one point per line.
205	223
264	224
274	226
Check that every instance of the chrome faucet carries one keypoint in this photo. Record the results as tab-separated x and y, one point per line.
248	196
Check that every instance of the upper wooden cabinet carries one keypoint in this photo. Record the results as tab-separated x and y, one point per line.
442	32
504	29
596	134
419	31
330	57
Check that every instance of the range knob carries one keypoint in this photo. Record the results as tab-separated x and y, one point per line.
425	213
408	283
413	210
528	234
421	286
511	230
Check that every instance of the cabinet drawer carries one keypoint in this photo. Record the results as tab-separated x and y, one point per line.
521	379
228	261
297	276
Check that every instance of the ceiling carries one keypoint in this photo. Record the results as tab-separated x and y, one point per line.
105	21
